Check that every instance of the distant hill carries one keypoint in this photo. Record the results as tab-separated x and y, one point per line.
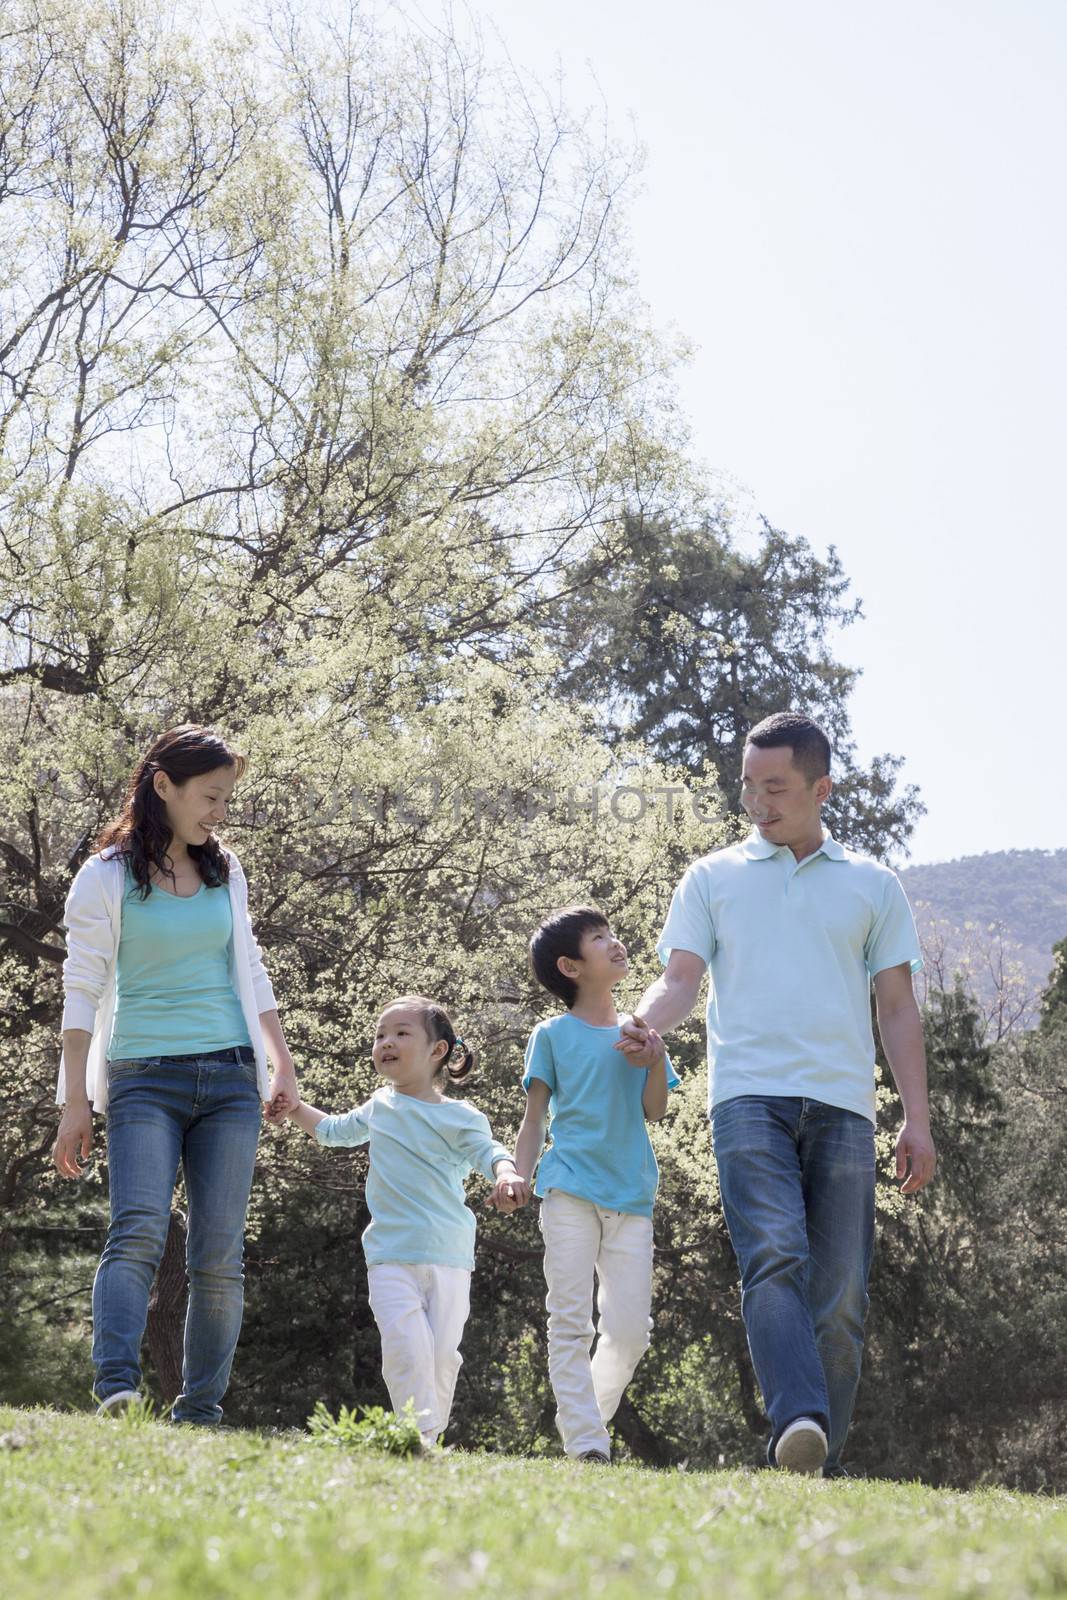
994	914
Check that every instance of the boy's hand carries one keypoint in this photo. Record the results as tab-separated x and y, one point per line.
640	1044
509	1193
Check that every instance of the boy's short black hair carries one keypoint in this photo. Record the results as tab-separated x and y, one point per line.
561	935
808	742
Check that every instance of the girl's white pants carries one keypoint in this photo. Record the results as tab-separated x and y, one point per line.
421	1312
582	1239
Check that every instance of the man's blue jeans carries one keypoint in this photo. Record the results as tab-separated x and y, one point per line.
204	1112
797	1184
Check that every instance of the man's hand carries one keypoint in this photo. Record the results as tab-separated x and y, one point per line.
74	1141
509	1192
640	1044
916	1158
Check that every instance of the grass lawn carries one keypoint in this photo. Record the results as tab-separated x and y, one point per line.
127	1508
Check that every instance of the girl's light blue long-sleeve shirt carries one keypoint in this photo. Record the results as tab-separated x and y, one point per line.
421	1151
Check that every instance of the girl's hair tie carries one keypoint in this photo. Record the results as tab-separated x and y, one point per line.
461	1043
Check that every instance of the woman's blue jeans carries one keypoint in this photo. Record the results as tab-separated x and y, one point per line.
204	1112
797	1184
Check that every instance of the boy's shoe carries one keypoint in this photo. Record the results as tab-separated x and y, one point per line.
116	1404
802	1447
596	1456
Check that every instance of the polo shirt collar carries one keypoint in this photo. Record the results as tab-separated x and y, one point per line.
757	848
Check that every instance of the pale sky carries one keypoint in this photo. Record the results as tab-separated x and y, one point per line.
857	213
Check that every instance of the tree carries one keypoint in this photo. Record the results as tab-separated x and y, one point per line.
963	1377
685	642
1054	999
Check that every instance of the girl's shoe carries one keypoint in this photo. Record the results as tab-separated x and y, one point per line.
596	1456
116	1404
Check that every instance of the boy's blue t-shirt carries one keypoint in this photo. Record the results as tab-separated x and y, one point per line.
600	1148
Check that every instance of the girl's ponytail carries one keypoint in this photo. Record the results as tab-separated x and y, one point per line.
460	1066
460	1060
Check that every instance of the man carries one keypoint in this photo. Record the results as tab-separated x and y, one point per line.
794	927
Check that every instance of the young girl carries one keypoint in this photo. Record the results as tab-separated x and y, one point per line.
419	1244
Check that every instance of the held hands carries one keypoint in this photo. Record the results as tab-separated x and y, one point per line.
640	1044
510	1192
916	1158
281	1106
282	1089
74	1141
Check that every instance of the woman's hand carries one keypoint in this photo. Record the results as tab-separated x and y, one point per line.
283	1092
74	1139
281	1106
283	1078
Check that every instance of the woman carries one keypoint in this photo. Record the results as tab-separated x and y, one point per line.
167	1024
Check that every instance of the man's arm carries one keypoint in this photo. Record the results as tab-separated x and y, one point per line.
665	1004
900	1026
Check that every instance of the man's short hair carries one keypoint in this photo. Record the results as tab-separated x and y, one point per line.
809	744
561	935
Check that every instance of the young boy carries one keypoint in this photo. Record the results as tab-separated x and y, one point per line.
597	1181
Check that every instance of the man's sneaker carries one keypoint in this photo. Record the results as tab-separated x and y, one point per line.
802	1447
116	1404
597	1456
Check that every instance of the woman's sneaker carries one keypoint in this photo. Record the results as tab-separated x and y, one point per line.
597	1456
802	1447
116	1404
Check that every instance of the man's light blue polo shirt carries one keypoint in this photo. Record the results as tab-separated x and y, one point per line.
792	947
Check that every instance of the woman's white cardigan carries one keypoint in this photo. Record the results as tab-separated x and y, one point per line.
93	919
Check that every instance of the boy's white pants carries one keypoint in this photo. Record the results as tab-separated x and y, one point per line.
582	1239
421	1312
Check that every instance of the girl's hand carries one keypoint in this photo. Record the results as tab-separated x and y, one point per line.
509	1193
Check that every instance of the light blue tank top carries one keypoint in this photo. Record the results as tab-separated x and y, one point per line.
173	993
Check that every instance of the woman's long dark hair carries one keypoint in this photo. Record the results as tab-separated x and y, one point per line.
141	832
